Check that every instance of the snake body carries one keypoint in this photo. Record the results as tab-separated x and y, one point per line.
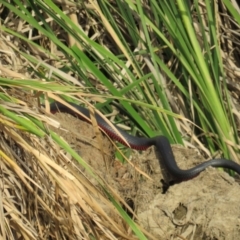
161	143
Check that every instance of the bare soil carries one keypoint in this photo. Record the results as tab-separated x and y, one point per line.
206	207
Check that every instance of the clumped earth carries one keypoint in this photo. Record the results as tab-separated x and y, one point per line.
206	207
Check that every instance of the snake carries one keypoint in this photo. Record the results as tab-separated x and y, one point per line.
161	143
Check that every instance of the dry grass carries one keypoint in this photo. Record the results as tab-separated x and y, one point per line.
43	193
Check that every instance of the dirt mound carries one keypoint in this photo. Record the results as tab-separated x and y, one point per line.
206	207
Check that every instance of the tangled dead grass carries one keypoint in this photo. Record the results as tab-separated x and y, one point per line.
46	196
